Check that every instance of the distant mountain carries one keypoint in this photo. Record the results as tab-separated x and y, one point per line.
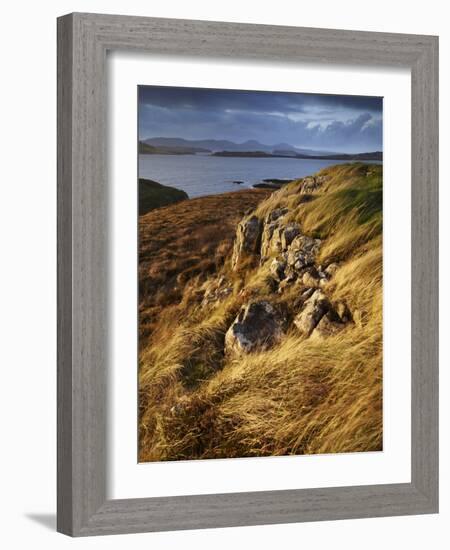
253	154
249	148
146	149
288	150
376	155
285	152
285	147
215	145
204	144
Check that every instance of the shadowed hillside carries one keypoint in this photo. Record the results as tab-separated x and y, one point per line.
261	321
154	195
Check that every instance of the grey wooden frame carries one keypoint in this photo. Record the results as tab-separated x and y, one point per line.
83	40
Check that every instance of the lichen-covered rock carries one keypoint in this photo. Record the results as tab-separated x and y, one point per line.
329	325
277	236
258	326
271	240
302	252
266	239
275	246
277	268
321	272
311	277
248	239
311	313
271	222
330	270
276	215
288	234
307	293
290	274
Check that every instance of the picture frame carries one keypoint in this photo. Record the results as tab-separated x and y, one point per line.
83	41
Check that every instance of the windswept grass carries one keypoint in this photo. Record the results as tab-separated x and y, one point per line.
319	395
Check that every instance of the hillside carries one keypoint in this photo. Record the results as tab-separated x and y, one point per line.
261	330
154	195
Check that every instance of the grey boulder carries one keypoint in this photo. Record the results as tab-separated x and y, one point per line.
257	327
311	313
302	252
248	239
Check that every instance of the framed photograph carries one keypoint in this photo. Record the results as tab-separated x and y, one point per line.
247	274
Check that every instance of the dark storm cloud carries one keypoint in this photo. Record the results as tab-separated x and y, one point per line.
206	99
341	123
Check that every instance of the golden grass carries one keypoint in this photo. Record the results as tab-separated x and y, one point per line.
319	395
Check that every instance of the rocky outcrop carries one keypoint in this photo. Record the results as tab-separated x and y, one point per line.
277	268
288	234
248	240
329	325
312	312
271	236
272	245
293	254
318	318
311	277
302	252
277	238
290	257
276	214
258	326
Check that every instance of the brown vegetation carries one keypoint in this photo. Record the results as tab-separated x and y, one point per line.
182	243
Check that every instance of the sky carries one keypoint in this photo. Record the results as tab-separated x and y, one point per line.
338	123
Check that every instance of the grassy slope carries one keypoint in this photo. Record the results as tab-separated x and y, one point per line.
154	195
182	244
303	396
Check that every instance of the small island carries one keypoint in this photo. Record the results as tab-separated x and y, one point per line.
146	149
271	183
